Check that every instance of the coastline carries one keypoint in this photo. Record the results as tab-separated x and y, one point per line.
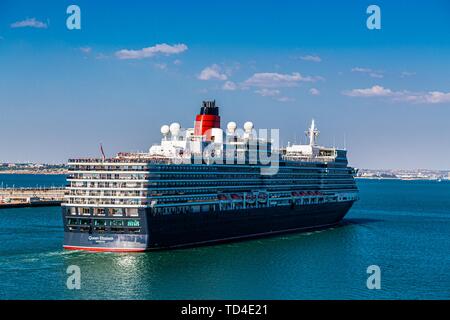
402	179
43	172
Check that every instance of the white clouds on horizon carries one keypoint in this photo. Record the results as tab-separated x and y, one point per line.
149	52
213	72
430	97
30	23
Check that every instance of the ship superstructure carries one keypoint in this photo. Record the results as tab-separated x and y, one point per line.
203	185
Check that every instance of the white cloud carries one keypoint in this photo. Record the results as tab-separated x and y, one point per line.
358	69
229	86
314	91
86	50
273	93
31	23
212	72
177	62
431	97
311	58
161	66
376	75
375	91
101	56
285	99
407	74
148	52
274	80
370	72
268	92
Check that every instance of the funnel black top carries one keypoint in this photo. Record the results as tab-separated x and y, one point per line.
209	107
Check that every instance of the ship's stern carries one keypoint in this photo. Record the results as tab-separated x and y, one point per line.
85	231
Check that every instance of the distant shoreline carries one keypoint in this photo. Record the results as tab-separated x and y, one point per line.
62	172
401	179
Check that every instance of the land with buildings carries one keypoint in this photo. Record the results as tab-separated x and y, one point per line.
32	168
404	174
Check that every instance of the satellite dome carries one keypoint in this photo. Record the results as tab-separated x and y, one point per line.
231	126
248	126
165	129
175	128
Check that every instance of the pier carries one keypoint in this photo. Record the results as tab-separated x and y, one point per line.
30	197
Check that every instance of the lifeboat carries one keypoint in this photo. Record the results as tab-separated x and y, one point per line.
222	197
262	197
250	198
235	196
295	194
303	194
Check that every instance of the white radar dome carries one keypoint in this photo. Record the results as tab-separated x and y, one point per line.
248	126
165	129
231	127
175	128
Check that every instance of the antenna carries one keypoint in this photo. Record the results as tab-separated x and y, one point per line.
312	133
345	141
103	153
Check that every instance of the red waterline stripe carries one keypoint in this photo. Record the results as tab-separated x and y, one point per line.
104	249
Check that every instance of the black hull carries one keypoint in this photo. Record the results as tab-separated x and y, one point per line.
187	230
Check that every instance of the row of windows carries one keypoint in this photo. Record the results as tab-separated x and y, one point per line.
102	229
123	185
246	175
246	182
108	168
107	193
103	222
194	191
129	212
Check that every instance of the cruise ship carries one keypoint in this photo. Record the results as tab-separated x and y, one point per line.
205	185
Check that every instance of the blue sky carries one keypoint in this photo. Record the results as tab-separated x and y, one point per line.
276	63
